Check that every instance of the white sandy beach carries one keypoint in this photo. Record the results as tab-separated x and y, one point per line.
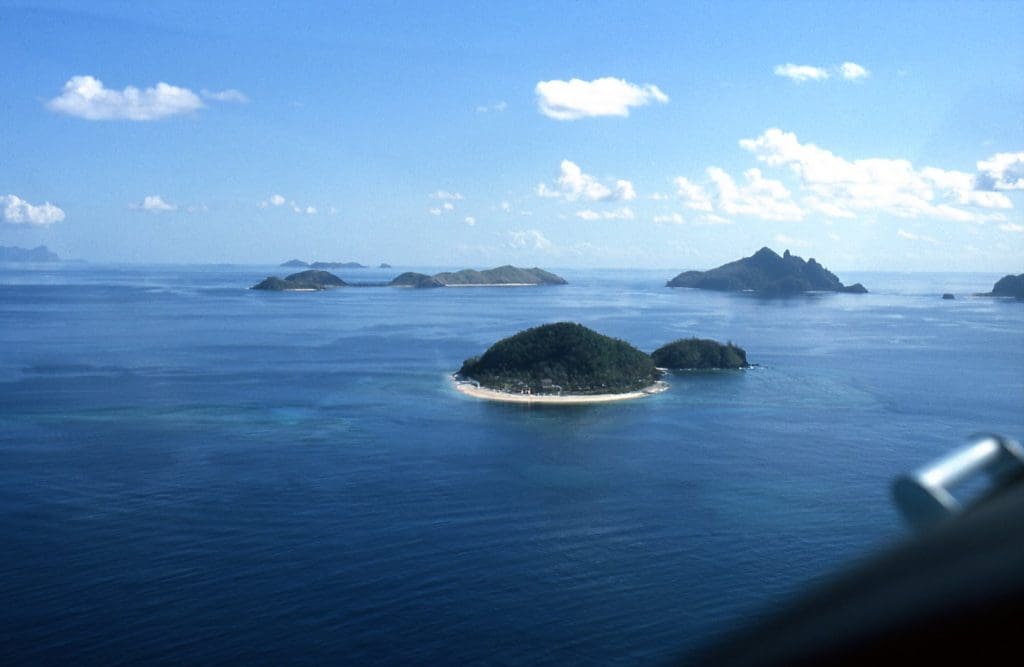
471	389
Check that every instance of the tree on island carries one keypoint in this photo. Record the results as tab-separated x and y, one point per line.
700	354
564	356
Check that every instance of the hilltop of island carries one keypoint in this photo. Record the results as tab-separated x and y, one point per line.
700	354
1010	285
297	263
561	358
304	281
507	275
766	273
38	254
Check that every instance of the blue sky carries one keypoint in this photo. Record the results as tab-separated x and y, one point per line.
676	135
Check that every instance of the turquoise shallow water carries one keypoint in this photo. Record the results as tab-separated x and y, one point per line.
191	471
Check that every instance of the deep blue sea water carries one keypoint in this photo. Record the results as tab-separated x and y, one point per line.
191	472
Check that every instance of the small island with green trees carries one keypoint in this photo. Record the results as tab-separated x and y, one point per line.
304	281
767	274
502	276
700	354
559	363
416	280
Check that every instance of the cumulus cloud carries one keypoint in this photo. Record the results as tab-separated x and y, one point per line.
445	195
229	95
448	206
674	218
693	195
17	211
155	204
86	97
470	220
1012	227
624	213
573	184
853	71
838	187
1002	171
528	238
801	73
273	200
607	96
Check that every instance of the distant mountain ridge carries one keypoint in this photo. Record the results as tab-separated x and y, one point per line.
765	272
322	265
38	254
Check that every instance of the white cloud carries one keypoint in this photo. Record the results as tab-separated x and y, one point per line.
470	220
759	197
273	200
673	218
801	73
658	196
498	107
155	204
229	95
444	194
17	211
448	206
310	210
86	97
853	71
790	241
435	211
528	238
506	207
1002	171
624	213
607	96
838	187
910	236
1012	227
693	195
573	184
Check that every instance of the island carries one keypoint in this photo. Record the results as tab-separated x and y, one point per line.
502	276
700	354
297	263
384	265
766	273
415	280
304	281
948	296
1011	285
560	363
38	254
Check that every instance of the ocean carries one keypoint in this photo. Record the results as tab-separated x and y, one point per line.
192	472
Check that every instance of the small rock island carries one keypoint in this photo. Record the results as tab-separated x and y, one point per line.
502	276
1011	285
304	281
768	274
559	363
687	354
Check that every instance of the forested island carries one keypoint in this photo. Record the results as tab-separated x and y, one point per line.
700	354
304	281
502	276
38	254
1010	285
561	358
768	274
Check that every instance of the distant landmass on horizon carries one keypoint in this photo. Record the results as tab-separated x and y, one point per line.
38	254
766	273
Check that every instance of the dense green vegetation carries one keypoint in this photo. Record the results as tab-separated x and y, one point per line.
304	280
417	280
564	355
766	273
1009	286
502	275
699	353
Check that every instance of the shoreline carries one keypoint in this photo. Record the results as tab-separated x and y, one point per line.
469	389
